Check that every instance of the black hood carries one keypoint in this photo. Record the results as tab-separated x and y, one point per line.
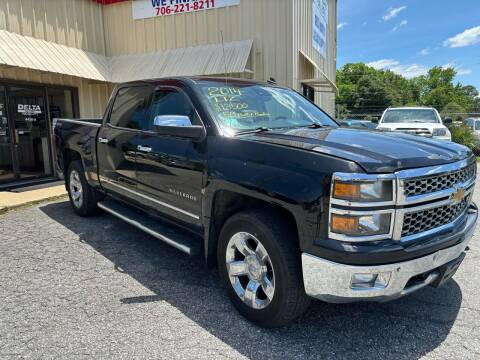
374	151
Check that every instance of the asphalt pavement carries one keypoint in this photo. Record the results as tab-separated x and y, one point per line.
76	288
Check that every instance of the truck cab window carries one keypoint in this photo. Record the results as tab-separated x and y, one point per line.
170	102
130	106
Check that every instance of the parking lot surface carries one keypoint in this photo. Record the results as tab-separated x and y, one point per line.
98	288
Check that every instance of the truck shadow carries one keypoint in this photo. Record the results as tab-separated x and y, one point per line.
407	328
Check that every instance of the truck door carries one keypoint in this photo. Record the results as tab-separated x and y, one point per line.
170	170
116	139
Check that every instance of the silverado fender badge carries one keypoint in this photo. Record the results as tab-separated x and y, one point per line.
182	194
457	196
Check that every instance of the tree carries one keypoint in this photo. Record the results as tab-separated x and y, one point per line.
452	110
373	93
341	111
437	89
470	91
464	135
363	89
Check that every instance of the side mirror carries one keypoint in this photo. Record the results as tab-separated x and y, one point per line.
178	126
375	120
447	121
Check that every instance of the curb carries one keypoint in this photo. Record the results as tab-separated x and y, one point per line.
5	209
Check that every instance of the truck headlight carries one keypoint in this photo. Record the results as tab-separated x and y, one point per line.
361	225
363	191
439	132
362	207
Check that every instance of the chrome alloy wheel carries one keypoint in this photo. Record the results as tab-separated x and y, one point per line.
250	270
76	190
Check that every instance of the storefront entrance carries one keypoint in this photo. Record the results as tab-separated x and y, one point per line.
26	113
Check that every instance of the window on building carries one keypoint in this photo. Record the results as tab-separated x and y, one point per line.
130	107
308	92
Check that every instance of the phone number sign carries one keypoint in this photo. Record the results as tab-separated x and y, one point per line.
143	9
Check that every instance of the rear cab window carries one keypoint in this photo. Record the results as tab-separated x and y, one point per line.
130	107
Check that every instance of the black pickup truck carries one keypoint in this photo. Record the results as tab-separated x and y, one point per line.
268	188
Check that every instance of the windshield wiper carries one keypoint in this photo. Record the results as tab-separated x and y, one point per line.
316	126
252	131
312	126
265	129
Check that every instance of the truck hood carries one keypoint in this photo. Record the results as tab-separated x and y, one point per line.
374	151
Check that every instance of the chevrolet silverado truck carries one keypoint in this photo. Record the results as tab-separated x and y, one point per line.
264	185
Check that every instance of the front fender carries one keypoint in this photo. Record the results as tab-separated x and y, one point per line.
295	180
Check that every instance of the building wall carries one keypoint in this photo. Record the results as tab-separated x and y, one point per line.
302	41
92	97
279	28
75	23
267	22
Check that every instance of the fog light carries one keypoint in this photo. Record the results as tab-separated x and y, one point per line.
370	281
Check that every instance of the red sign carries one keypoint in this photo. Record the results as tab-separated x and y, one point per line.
107	2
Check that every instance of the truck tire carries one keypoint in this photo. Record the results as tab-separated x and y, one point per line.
83	197
260	265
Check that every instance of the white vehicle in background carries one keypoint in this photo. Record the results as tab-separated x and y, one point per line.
422	121
474	124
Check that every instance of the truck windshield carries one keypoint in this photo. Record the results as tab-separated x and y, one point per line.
410	115
242	107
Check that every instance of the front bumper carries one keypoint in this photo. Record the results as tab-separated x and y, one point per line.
332	282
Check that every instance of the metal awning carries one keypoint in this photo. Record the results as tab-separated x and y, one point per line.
322	83
30	53
213	59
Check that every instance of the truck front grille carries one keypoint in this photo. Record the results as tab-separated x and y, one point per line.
419	221
430	184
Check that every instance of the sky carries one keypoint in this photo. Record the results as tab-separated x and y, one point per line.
411	36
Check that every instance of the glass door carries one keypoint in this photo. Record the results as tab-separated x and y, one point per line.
31	135
6	161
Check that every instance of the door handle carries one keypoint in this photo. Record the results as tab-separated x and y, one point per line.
145	149
103	140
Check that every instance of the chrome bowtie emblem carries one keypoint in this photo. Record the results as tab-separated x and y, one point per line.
458	195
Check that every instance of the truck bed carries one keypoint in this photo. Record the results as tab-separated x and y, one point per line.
84	121
77	135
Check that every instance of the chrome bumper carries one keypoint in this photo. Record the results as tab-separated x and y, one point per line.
332	282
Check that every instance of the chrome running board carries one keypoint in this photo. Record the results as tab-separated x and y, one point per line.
161	230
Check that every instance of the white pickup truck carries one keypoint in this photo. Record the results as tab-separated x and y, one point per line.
474	124
423	121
